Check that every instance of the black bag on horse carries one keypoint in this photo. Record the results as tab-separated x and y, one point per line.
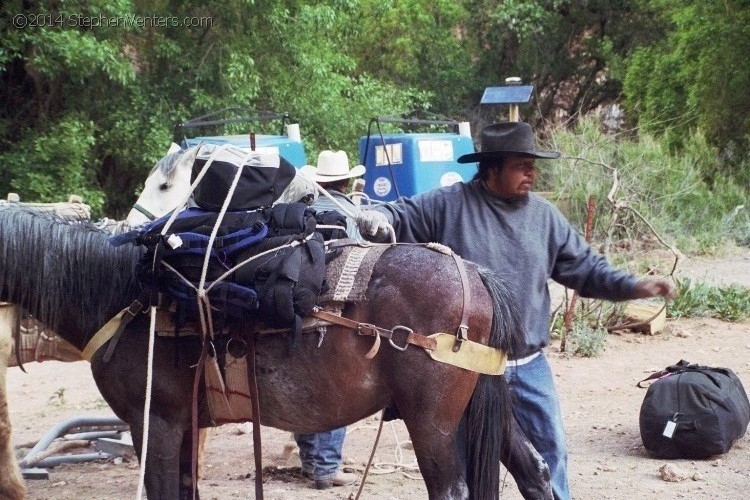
184	247
288	281
693	411
264	177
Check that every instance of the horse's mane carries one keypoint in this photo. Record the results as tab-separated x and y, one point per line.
167	163
53	267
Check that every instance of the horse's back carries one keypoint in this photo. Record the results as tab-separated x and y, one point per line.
424	287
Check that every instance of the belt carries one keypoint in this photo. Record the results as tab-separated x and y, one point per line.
523	361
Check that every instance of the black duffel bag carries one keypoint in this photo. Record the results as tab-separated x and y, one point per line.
693	411
264	177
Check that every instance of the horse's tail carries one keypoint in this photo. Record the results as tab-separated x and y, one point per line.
488	416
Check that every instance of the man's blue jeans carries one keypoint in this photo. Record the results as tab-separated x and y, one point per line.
320	453
537	411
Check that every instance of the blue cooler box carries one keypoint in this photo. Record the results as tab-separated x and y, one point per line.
420	162
289	149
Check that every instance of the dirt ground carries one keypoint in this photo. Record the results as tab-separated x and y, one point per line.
599	398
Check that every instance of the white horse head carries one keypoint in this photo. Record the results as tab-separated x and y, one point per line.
169	182
166	186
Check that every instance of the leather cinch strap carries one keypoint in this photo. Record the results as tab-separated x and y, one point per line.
111	330
399	337
462	334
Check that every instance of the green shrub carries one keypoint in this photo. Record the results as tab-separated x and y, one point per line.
586	341
726	302
668	189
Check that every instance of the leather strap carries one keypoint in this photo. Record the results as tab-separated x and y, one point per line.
111	330
462	333
399	336
257	446
145	212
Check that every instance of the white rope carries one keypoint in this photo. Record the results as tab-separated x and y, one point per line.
193	185
328	195
147	407
398	465
233	269
270	250
152	331
347	212
219	219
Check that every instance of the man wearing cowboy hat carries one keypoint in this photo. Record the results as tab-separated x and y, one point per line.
321	453
333	175
496	221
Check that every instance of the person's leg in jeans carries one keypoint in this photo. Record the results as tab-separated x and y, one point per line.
537	411
320	454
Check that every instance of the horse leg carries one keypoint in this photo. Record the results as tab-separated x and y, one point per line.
526	466
433	423
435	448
11	482
186	463
165	439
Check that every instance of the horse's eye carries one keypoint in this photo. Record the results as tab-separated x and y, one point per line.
164	186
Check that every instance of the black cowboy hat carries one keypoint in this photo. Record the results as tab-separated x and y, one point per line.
507	139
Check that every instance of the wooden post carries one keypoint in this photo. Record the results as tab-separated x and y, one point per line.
514	115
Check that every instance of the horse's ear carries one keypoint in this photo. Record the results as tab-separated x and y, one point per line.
173	148
193	153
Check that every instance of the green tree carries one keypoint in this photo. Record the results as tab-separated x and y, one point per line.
696	76
571	51
419	44
114	92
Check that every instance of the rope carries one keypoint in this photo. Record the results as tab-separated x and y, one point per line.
398	465
372	455
152	334
147	408
249	259
219	219
341	207
192	186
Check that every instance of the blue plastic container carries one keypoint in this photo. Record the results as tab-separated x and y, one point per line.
289	149
420	162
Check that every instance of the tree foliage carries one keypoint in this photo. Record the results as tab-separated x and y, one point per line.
89	108
696	76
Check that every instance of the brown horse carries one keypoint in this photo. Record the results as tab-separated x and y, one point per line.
69	277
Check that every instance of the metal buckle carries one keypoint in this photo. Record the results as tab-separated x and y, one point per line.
372	327
135	307
239	346
461	335
408	331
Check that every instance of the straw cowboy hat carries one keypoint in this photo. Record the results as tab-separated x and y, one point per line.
332	166
500	140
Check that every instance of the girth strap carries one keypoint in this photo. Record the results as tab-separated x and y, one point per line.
399	336
463	327
111	331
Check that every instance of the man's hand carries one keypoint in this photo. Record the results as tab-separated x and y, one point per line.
651	287
374	225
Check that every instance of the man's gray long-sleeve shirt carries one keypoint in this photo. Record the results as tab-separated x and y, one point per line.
525	241
323	204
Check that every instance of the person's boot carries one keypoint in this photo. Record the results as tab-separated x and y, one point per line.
340	479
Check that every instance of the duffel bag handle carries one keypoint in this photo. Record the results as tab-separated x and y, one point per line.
683	366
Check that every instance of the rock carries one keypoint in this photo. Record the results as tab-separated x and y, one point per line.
683	334
697	477
244	428
671	473
716	462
